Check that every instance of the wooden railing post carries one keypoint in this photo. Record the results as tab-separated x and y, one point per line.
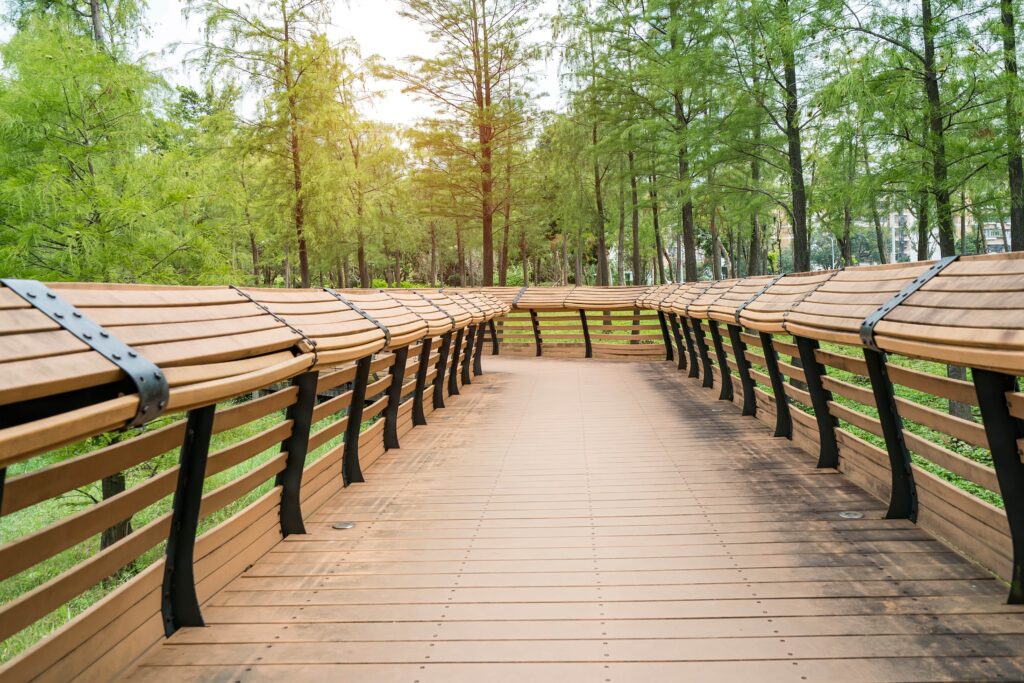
536	332
467	357
478	367
179	604
453	371
419	416
1005	433
828	450
685	324
903	497
442	367
723	364
705	358
739	348
673	321
664	336
351	472
395	398
783	420
495	347
588	347
296	446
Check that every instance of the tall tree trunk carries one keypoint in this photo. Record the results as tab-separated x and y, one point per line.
679	253
620	266
923	227
111	486
460	249
716	248
433	254
364	267
599	229
658	257
287	263
96	17
635	218
505	227
937	142
755	261
579	257
876	218
963	222
798	192
1015	163
255	248
524	256
294	145
344	271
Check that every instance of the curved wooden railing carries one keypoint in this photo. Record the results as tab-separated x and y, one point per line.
273	400
904	377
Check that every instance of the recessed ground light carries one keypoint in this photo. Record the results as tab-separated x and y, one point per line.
350	525
849	514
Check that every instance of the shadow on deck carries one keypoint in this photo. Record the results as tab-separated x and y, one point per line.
600	521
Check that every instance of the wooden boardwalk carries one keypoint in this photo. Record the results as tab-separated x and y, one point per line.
600	521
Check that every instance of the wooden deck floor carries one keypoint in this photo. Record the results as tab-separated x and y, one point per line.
600	521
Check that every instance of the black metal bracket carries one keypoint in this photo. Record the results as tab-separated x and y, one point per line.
685	324
148	379
536	332
828	453
588	347
783	419
495	347
351	472
296	446
726	392
673	321
395	398
739	348
263	307
442	366
664	336
419	416
757	294
867	328
378	324
478	367
515	301
1004	432
453	371
708	380
467	357
179	603
903	496
432	303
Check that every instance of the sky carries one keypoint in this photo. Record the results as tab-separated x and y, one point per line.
374	24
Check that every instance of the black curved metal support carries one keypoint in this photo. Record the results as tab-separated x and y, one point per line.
296	446
739	348
495	347
395	398
442	367
467	357
685	324
1004	432
351	472
536	332
673	322
179	604
903	498
828	454
419	417
783	420
478	367
589	348
725	394
664	336
453	372
705	358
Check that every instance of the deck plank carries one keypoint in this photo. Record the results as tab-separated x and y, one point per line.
572	520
